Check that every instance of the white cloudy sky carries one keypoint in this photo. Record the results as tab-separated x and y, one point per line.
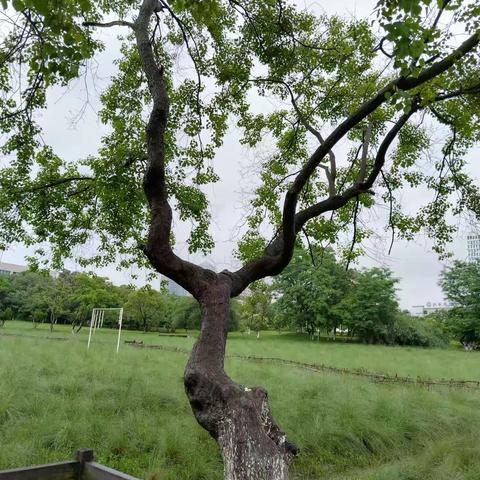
414	263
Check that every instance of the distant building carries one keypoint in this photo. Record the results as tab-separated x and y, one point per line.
431	307
473	247
11	268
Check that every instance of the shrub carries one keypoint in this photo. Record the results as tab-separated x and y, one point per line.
410	330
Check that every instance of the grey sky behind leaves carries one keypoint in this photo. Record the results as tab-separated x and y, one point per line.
73	130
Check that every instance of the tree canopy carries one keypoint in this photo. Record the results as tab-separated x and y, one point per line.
70	297
312	295
324	297
187	70
322	72
373	305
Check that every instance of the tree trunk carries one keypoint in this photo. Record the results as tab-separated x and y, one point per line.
53	320
252	445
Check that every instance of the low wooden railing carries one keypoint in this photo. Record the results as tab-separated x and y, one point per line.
83	467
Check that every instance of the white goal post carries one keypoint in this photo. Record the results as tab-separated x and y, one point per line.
98	315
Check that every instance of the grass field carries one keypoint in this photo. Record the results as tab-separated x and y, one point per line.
131	408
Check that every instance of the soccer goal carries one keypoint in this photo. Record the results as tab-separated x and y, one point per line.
98	317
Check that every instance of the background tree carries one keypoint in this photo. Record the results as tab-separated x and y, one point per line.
461	285
68	298
4	289
186	314
6	312
88	291
323	72
5	315
147	306
373	306
256	308
419	331
312	290
30	295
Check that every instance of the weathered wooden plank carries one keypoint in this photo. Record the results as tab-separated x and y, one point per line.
96	471
52	471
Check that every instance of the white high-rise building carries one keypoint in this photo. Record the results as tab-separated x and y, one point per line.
473	247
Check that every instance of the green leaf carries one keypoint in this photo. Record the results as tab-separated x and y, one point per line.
18	5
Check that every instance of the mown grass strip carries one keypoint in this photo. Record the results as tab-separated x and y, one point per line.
373	376
376	377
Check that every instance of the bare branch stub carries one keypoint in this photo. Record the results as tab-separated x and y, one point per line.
365	146
390	212
354	236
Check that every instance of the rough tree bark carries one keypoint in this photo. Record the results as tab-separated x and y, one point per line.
239	418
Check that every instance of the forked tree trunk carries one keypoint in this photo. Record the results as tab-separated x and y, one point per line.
252	445
238	417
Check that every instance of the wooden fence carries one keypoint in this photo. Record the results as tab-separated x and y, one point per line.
83	467
358	372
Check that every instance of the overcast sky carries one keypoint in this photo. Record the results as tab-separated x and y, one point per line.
413	263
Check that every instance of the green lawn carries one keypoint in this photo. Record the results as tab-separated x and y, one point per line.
404	361
131	407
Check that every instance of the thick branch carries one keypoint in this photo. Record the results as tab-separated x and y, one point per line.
280	251
115	23
401	83
390	212
55	183
269	263
354	236
330	180
439	14
158	249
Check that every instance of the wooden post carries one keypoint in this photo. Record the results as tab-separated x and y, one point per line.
83	455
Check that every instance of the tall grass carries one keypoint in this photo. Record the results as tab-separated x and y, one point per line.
131	408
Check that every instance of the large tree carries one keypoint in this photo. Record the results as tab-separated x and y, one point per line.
256	308
373	306
373	85
146	305
313	291
461	285
33	295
